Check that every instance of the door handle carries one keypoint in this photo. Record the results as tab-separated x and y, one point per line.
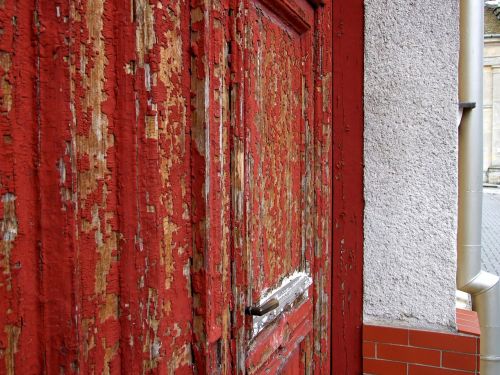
270	305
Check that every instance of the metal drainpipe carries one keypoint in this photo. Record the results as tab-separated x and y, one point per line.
483	286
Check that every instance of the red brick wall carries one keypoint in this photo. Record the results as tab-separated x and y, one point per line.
389	350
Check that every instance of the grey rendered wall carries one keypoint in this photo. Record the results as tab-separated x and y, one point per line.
411	67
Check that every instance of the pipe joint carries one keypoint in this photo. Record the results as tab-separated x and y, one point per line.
480	283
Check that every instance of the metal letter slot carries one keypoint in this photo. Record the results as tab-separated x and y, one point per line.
270	305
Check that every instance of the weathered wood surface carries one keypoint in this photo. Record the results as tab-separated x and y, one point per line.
281	91
122	175
96	187
211	185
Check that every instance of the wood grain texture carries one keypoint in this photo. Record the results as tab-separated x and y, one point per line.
324	184
210	162
148	168
95	187
281	176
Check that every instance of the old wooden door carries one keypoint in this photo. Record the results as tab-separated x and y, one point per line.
163	166
273	163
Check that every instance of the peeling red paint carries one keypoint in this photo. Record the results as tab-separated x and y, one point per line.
281	174
20	313
323	189
162	164
211	185
101	184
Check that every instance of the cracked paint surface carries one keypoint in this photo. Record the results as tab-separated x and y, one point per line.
211	185
97	188
276	159
138	212
20	314
282	157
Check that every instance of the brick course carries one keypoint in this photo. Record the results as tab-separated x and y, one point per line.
390	350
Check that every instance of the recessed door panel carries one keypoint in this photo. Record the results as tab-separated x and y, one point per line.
273	149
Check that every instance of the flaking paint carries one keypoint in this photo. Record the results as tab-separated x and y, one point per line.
264	98
108	159
122	174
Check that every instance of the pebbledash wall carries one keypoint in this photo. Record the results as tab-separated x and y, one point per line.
411	86
410	182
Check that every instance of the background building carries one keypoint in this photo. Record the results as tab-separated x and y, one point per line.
491	141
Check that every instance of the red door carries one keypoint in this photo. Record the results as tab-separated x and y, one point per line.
166	166
273	169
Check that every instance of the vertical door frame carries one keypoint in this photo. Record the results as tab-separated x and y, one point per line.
348	201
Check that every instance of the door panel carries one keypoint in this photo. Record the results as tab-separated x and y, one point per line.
278	106
273	163
272	347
